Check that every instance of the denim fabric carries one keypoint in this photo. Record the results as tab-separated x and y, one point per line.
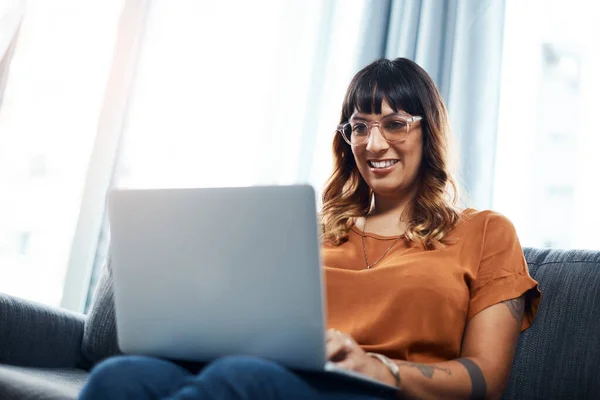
234	377
559	356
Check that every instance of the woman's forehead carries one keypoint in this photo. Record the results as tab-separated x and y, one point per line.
385	112
386	108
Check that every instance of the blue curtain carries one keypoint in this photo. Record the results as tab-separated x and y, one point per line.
459	43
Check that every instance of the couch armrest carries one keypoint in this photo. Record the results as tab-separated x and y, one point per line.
33	334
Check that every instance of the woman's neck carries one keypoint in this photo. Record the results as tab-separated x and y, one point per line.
389	216
397	206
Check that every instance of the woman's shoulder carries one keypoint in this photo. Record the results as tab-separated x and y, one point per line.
484	221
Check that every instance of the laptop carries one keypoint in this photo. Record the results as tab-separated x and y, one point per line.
210	272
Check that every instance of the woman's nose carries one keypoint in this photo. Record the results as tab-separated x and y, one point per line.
377	142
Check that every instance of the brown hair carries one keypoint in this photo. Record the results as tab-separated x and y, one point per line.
434	211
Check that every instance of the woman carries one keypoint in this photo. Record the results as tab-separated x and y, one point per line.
421	295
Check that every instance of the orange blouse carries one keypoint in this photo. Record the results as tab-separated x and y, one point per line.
415	304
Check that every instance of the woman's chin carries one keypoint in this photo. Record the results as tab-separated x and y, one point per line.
386	188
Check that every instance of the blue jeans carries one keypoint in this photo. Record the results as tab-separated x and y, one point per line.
234	377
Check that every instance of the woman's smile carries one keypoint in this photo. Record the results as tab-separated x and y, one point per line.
382	167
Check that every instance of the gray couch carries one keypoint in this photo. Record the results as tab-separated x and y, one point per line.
46	353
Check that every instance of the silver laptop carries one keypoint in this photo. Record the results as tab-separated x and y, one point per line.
204	273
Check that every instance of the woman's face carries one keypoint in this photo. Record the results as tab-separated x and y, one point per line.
390	169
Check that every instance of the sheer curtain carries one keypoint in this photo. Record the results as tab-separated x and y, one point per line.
227	94
11	15
48	120
221	98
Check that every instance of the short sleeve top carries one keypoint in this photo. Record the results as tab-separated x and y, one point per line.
415	303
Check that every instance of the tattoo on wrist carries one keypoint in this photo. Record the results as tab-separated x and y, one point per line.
516	307
478	384
426	369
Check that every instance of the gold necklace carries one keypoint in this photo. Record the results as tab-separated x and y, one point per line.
365	246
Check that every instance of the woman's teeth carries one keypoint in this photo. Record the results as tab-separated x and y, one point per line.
382	164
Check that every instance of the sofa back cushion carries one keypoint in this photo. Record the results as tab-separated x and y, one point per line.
559	356
100	331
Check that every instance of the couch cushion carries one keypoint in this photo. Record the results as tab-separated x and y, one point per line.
40	383
559	356
33	334
100	331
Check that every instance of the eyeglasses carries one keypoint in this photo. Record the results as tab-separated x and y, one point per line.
393	128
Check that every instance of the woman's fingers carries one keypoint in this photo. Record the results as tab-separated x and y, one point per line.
338	345
331	334
349	363
336	350
344	351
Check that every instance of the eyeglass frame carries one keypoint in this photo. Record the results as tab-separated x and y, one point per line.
409	121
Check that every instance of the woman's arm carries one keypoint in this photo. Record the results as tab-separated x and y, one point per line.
483	370
484	367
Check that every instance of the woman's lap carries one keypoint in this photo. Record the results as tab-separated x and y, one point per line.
235	377
133	377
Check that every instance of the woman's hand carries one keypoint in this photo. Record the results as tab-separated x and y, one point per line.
346	353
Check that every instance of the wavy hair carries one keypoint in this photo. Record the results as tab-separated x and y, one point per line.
433	212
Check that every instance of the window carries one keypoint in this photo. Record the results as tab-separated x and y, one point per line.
23	243
249	108
546	166
37	166
185	127
48	122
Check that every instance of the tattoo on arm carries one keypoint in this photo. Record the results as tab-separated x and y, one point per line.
425	369
478	384
516	307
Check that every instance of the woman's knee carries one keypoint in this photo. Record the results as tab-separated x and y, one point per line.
129	374
243	366
246	377
244	370
119	368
